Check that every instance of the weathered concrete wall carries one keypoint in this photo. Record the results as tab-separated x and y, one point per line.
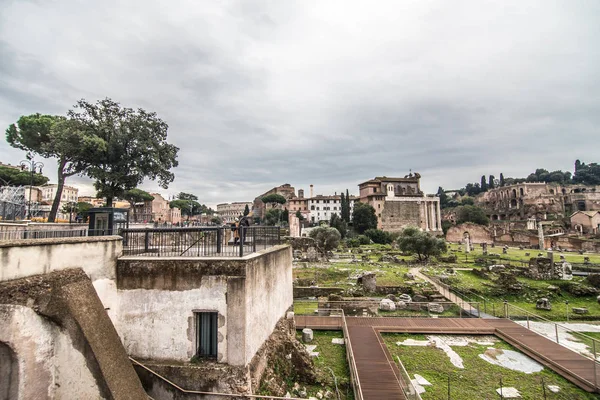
477	233
158	298
48	365
269	294
97	256
158	324
63	340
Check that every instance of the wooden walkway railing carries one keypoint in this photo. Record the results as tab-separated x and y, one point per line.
378	379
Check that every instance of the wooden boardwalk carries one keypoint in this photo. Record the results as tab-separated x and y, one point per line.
379	375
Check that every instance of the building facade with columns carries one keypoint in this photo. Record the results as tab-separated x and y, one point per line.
399	203
230	211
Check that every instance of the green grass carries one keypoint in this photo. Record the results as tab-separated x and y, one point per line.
516	255
331	356
479	379
305	307
468	282
339	274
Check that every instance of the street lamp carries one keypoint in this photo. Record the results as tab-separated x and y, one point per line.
33	166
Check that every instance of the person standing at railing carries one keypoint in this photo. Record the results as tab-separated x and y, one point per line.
235	227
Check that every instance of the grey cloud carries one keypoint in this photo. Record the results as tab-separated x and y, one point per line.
259	93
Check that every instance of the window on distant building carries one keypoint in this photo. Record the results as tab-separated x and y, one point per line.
206	334
312	207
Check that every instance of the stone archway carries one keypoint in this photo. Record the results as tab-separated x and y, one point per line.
9	373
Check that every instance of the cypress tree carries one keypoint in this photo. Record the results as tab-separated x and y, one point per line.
501	179
491	184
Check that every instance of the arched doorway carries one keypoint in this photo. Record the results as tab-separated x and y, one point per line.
9	373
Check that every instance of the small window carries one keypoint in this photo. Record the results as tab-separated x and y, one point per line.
206	334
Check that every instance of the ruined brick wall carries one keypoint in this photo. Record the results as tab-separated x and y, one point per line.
397	215
477	233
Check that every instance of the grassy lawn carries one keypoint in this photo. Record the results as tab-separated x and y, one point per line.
340	274
332	358
514	254
468	282
479	379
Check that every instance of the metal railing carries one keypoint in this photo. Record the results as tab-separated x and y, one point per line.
215	394
409	389
558	333
451	294
17	234
198	241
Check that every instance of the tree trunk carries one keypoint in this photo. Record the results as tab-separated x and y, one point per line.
59	190
134	211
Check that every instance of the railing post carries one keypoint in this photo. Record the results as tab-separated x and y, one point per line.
506	309
146	240
528	322
253	230
219	239
242	238
595	362
556	331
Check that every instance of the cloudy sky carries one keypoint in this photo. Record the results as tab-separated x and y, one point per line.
260	93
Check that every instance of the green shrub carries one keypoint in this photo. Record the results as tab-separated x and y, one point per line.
378	236
352	242
362	239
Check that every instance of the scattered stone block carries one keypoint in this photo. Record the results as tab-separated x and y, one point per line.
580	310
496	268
543	304
289	315
307	335
387	305
405	298
391	297
401	305
339	341
419	298
553	388
508	392
435	308
409	276
594	280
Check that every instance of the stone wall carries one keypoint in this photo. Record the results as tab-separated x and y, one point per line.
477	233
301	292
62	341
398	215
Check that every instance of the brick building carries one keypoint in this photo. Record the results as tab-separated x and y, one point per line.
399	203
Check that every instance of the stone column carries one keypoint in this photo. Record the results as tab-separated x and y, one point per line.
439	215
426	216
434	226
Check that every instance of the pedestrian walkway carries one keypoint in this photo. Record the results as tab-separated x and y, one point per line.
380	377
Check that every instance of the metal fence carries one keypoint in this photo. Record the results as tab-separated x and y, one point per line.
16	234
408	388
199	241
